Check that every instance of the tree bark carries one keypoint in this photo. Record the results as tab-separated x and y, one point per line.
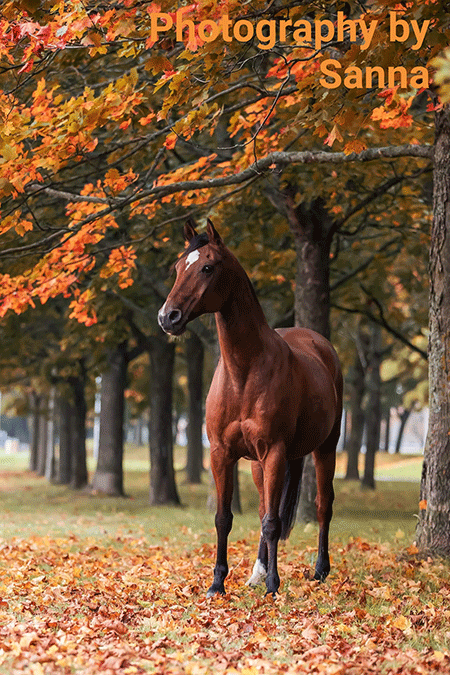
387	433
373	411
311	227
65	458
194	358
108	477
357	417
50	463
404	416
42	437
163	489
433	532
79	473
34	432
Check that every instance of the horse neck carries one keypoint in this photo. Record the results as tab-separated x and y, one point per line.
241	325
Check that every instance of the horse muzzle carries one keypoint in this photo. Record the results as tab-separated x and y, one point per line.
171	321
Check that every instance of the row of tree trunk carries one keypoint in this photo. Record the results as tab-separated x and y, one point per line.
67	405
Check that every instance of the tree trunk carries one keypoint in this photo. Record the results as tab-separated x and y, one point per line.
433	533
77	432
65	458
404	416
373	411
387	433
34	433
50	464
310	227
194	357
358	418
108	477
312	282
163	488
42	437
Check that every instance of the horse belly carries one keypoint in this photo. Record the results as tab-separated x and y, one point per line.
316	420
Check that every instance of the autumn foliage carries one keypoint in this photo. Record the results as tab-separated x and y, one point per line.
78	605
105	121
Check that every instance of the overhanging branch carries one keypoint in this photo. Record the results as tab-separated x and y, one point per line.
272	161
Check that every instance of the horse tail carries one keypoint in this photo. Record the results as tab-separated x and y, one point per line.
290	495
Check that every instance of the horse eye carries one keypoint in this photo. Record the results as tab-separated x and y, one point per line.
208	269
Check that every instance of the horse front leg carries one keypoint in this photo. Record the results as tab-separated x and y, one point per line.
259	571
222	469
274	472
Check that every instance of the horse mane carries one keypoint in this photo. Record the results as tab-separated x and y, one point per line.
196	242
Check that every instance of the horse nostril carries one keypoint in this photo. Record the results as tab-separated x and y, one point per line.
174	316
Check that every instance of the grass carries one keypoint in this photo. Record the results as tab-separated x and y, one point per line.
131	581
32	506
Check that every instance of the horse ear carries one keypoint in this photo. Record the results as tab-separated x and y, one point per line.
189	230
213	235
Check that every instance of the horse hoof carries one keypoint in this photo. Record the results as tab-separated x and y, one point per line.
214	591
272	593
259	574
320	576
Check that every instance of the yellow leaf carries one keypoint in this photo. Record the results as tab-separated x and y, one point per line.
8	152
439	656
354	146
402	623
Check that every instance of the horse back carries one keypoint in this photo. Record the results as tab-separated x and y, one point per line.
314	345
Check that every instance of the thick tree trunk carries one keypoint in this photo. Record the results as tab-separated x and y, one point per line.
312	282
163	489
373	411
79	473
108	477
433	533
194	358
357	417
310	227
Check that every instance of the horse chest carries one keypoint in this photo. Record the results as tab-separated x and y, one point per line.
247	425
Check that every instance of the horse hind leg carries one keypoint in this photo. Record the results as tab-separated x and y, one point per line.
259	571
325	462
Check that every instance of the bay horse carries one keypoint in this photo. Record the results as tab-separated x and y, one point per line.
275	397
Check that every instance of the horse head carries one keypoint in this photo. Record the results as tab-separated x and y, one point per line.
201	283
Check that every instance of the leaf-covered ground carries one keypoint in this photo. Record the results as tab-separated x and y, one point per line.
77	605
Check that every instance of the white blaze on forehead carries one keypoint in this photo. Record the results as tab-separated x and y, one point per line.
192	258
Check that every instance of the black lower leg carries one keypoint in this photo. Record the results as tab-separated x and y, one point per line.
271	528
323	559
224	521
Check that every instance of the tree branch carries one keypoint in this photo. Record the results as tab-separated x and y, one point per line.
381	321
273	160
364	265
